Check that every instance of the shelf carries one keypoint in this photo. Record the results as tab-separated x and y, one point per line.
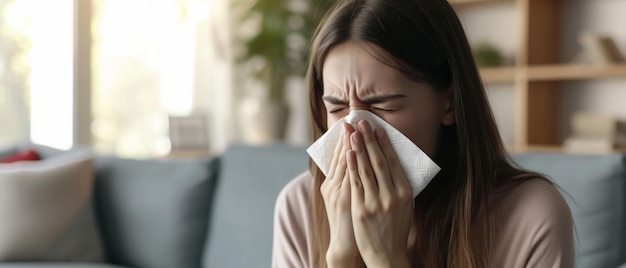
556	72
463	3
537	75
554	149
575	72
498	75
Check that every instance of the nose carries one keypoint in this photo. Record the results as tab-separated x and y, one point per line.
359	106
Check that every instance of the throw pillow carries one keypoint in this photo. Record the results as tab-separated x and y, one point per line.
46	214
251	177
26	155
154	213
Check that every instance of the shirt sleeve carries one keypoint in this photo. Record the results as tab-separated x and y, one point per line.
535	227
553	236
292	225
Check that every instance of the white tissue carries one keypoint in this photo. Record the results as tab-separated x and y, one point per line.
417	166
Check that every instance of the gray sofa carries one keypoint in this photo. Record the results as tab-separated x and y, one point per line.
217	212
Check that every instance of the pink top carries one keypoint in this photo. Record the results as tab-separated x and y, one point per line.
534	232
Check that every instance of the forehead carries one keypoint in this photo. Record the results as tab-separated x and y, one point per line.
363	67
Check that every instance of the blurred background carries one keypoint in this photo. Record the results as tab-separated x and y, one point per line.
147	78
125	76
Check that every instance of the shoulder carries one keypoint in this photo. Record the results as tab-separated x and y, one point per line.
296	193
535	226
293	224
293	205
534	201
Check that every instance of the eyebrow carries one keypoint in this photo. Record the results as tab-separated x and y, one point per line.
371	100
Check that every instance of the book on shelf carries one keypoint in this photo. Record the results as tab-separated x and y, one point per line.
596	133
593	125
587	145
600	48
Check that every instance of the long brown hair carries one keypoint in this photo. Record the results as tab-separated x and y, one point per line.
428	44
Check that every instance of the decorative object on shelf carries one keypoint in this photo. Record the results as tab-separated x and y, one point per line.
539	78
487	55
262	121
283	30
188	133
599	49
596	133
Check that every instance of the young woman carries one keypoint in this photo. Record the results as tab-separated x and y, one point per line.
409	63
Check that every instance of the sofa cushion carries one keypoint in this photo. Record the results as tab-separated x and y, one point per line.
242	220
154	212
46	210
595	188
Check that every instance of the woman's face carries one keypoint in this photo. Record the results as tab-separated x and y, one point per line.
354	79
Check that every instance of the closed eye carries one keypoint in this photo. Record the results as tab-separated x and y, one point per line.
336	110
385	109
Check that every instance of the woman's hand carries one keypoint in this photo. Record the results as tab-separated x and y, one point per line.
342	250
382	199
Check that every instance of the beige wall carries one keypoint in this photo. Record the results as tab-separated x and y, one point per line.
498	23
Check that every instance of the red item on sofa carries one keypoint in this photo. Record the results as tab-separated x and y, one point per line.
26	155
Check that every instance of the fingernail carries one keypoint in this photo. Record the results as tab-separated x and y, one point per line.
351	157
364	126
380	133
356	137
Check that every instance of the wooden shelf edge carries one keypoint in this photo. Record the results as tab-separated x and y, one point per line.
464	3
575	72
554	72
498	74
556	149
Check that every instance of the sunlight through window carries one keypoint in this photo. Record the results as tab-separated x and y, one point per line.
36	88
144	55
51	74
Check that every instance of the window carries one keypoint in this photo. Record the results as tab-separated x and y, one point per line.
148	61
145	69
36	92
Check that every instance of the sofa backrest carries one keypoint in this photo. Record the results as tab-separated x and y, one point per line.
595	188
250	178
241	224
154	213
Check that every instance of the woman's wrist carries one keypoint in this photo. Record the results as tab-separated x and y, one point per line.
401	261
334	262
335	259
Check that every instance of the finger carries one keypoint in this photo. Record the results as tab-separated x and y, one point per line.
340	170
349	129
377	159
398	178
346	189
364	168
358	197
340	150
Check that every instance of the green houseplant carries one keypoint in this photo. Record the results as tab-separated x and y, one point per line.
282	30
